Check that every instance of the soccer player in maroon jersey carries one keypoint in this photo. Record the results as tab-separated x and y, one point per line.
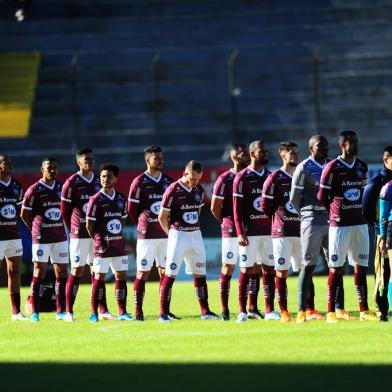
285	222
144	203
180	219
222	209
11	248
253	229
341	190
105	217
41	214
76	193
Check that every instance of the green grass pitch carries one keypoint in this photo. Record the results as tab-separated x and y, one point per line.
194	354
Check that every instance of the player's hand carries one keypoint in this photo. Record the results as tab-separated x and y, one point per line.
383	247
243	240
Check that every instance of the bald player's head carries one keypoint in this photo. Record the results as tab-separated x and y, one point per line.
318	147
258	152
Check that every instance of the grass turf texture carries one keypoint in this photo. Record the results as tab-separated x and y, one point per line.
194	354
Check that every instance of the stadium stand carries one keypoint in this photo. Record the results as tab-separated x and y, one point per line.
102	60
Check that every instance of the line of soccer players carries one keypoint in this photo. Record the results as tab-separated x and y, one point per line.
270	221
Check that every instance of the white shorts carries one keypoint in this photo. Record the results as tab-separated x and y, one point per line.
117	264
185	246
259	251
287	251
149	250
57	251
350	241
229	250
11	248
81	251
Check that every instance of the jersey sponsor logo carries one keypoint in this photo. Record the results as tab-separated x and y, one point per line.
334	257
53	214
84	208
8	211
229	255
191	217
257	204
155	207
352	194
173	266
290	208
143	262
114	226
281	260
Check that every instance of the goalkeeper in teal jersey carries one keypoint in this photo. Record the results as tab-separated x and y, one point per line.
386	223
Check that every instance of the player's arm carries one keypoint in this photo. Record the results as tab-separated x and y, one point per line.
385	210
217	199
325	193
19	203
124	213
26	217
91	218
164	213
66	206
268	196
297	188
238	208
134	209
163	219
27	207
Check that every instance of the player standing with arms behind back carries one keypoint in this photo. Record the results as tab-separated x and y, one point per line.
41	214
341	189
76	193
180	219
105	216
254	236
11	248
222	209
144	204
314	225
285	222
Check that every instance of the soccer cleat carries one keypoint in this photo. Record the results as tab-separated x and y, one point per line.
242	317
125	317
173	317
164	318
34	318
313	315
19	317
60	316
285	316
94	318
383	317
331	318
343	315
69	317
209	316
139	317
301	317
225	316
255	315
107	316
368	316
272	316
